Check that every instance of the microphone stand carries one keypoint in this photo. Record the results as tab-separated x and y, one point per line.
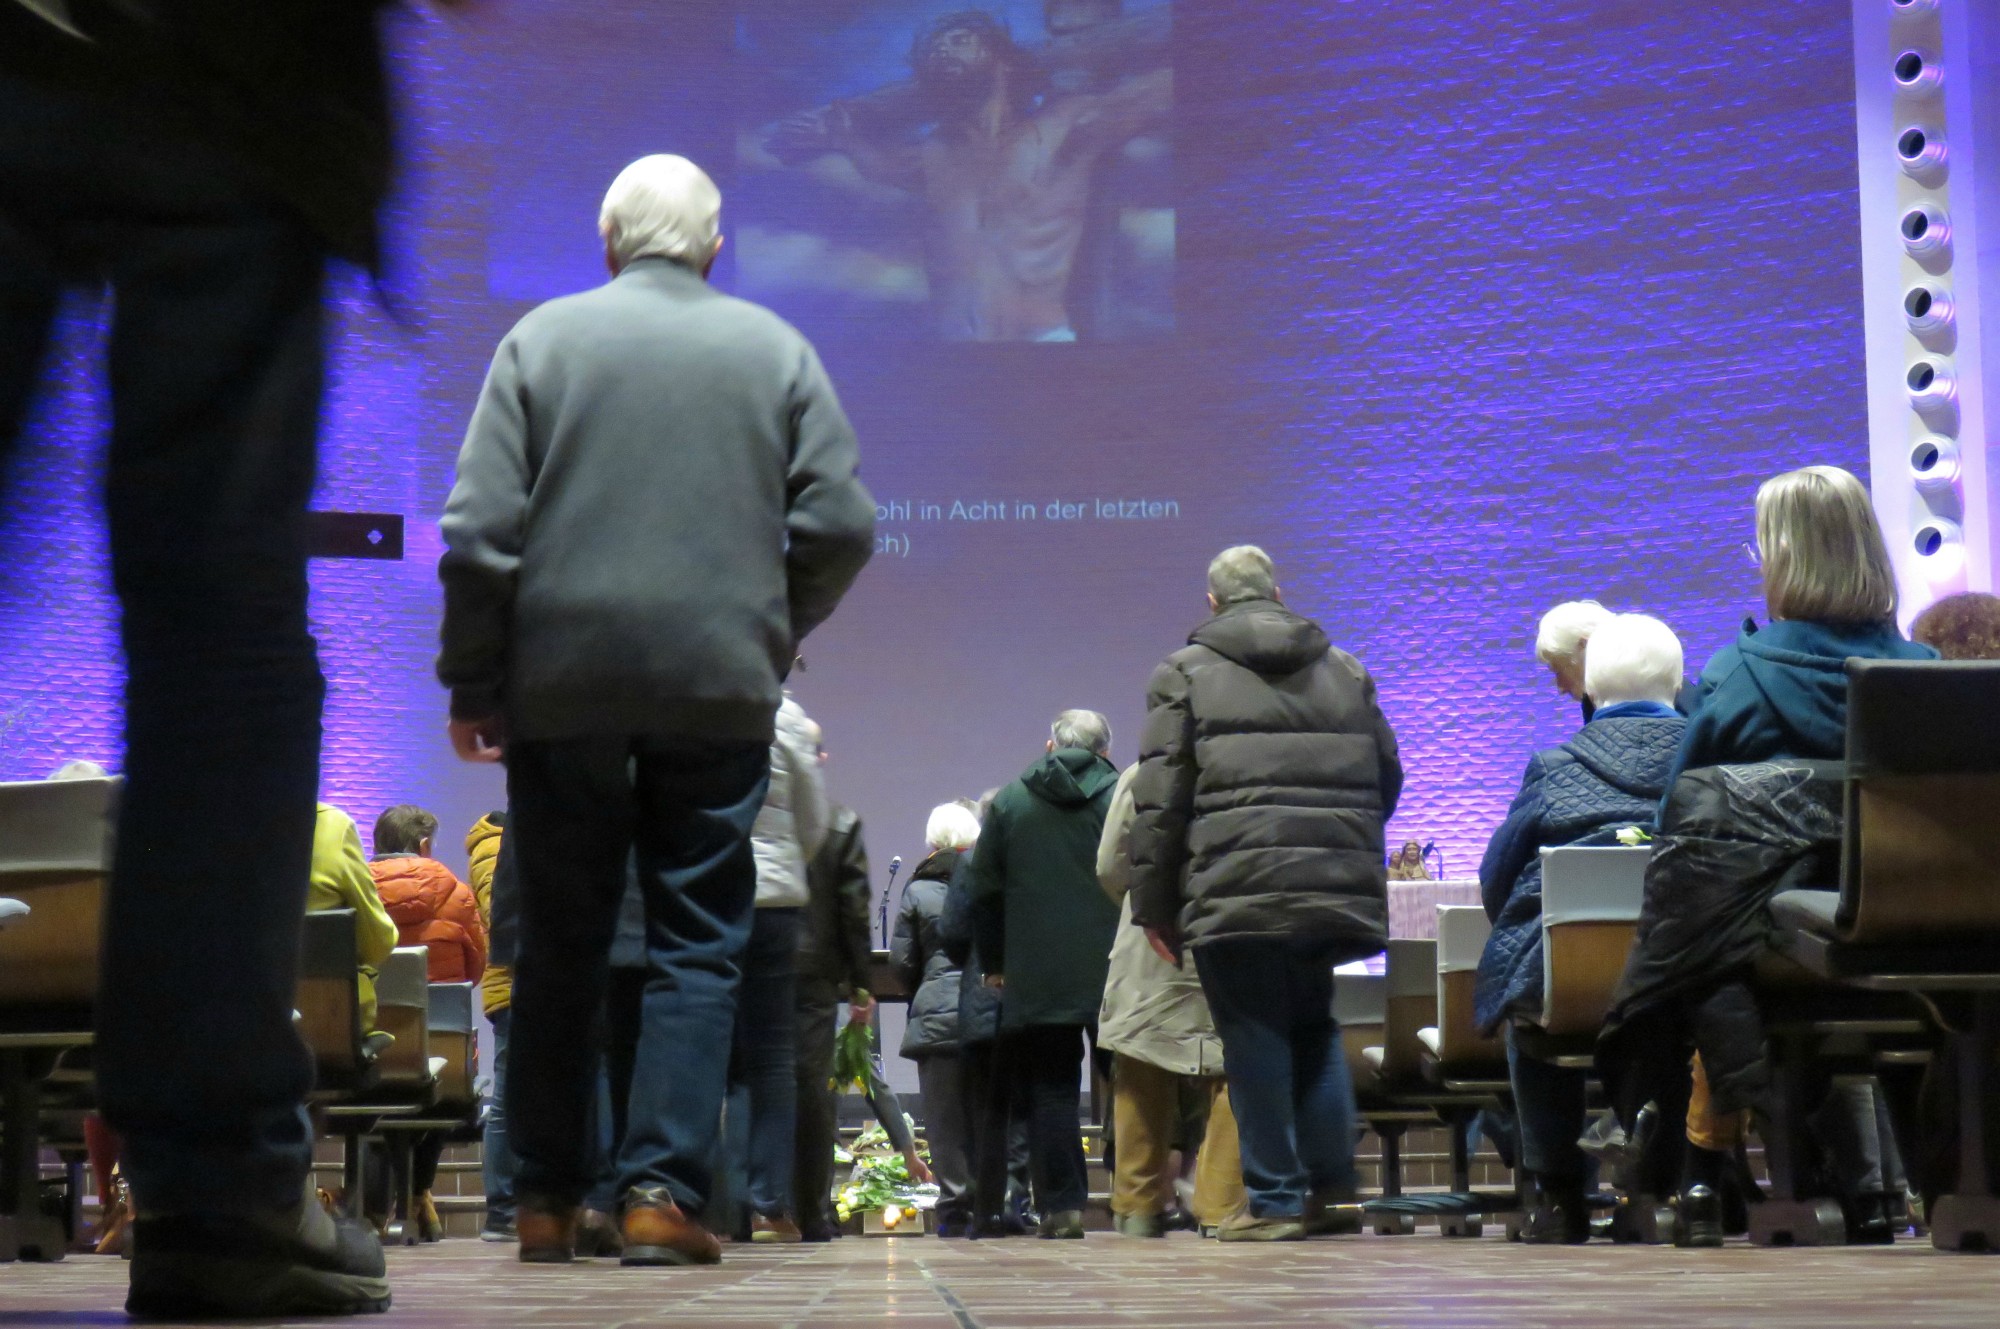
882	914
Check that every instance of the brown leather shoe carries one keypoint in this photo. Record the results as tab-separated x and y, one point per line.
597	1236
547	1231
779	1231
657	1232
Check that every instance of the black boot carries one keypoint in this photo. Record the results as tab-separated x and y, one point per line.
1559	1213
1868	1220
1699	1221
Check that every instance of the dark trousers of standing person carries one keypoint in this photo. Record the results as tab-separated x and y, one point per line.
1549	1102
817	1006
1049	1058
1273	1005
763	1065
996	1129
941	1075
215	362
579	808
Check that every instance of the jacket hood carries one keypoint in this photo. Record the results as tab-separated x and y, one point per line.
1801	670
1069	777
1263	636
938	865
1632	754
483	830
414	890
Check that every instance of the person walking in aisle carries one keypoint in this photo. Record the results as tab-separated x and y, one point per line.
1043	929
1266	773
656	502
207	162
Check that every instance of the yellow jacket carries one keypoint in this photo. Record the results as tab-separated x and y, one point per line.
341	880
482	851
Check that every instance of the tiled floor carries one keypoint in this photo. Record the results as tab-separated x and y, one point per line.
1183	1282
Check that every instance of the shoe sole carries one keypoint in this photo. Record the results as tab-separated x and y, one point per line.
531	1255
1291	1232
657	1257
209	1287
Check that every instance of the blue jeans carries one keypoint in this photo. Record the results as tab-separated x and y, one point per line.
215	365
580	808
1273	1005
762	1060
1549	1102
497	1161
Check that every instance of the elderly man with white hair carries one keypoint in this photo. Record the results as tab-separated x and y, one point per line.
656	502
1043	932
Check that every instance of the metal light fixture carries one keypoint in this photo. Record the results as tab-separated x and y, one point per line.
1927	308
1920	149
1934	463
1931	384
1925	228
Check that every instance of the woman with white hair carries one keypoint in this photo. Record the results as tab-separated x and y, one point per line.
931	1038
1562	640
1610	776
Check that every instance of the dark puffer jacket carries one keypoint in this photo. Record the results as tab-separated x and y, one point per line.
1611	775
921	960
1267	771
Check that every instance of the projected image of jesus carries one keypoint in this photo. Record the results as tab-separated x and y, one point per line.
1006	163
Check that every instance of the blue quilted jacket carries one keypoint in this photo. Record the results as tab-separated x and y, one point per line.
1610	776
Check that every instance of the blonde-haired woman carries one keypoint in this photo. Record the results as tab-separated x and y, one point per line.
1777	695
1781	691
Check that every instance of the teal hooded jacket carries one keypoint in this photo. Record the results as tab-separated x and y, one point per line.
1781	692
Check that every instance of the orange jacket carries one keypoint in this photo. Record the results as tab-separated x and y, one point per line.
433	908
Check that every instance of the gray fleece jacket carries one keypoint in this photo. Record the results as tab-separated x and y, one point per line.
656	502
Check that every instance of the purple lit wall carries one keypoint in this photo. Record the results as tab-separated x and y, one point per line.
1475	307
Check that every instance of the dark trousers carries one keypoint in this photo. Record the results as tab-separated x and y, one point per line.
215	363
578	808
817	1012
1288	1083
1049	1059
1550	1104
996	1106
942	1077
763	1064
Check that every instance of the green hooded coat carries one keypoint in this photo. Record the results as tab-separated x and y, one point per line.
1040	917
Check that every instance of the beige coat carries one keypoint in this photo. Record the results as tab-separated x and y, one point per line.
1152	1012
